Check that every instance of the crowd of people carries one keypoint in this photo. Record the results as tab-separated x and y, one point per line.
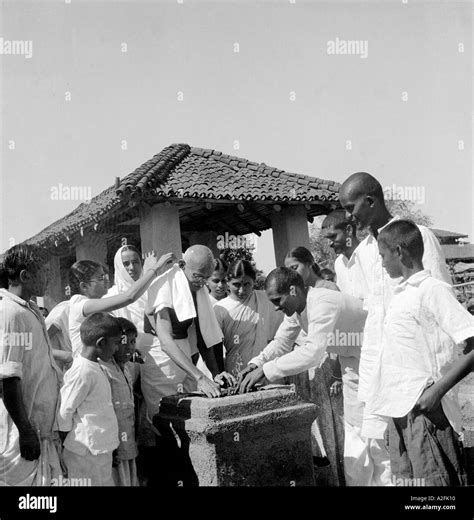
378	348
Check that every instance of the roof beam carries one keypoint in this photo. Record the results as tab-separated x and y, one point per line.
250	226
219	217
266	221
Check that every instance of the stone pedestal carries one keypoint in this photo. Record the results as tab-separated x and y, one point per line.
256	439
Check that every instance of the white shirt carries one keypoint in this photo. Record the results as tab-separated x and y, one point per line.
86	410
335	324
423	324
76	317
381	287
25	353
59	317
349	277
292	328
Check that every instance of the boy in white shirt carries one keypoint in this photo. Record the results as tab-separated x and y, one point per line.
422	327
86	411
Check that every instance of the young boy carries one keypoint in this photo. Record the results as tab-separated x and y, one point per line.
121	382
86	410
423	324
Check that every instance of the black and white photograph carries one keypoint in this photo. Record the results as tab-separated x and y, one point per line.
236	251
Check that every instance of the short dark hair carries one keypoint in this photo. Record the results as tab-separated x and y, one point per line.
241	268
82	271
221	265
99	325
403	233
22	257
127	326
304	255
339	220
327	272
284	278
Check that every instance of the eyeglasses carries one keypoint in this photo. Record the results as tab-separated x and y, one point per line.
195	276
103	278
199	277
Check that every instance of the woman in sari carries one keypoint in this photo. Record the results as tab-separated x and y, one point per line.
247	318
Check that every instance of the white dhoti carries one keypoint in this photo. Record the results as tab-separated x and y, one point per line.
161	376
88	469
366	460
17	471
357	465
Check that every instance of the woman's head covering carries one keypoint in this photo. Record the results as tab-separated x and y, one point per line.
122	282
122	279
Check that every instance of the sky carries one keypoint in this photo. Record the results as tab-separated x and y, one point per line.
107	85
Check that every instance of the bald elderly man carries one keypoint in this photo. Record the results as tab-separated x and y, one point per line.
184	324
181	317
362	197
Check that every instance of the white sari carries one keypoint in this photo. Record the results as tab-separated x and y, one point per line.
248	326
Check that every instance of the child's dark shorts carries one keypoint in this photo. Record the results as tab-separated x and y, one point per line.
425	446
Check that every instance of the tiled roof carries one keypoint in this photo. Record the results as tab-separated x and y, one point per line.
180	171
87	214
444	235
453	252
